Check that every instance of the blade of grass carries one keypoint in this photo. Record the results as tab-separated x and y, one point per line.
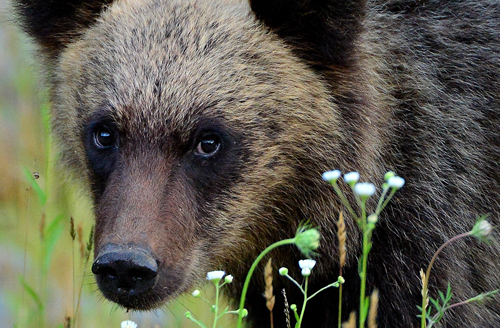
31	292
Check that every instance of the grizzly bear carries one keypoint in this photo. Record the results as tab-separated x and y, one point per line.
201	129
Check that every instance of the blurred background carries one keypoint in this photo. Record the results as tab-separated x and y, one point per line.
45	223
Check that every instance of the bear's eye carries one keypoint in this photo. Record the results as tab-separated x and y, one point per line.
208	145
104	137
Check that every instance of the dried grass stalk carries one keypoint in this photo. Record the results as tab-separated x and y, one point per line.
268	293
372	313
425	294
351	323
341	233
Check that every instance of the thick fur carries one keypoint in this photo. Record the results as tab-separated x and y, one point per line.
292	88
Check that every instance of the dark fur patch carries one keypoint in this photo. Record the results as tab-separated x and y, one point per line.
56	23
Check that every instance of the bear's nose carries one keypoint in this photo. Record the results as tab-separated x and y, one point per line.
125	270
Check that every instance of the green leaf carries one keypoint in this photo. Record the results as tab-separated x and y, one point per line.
52	234
436	304
31	292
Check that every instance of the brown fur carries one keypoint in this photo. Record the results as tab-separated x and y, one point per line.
354	85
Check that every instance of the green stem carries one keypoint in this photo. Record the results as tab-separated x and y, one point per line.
322	289
303	305
425	283
393	191
199	323
340	301
295	282
362	294
344	200
380	201
216	306
362	205
250	272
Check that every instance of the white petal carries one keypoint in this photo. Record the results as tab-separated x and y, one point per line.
309	264
351	177
365	189
331	175
396	182
128	324
212	275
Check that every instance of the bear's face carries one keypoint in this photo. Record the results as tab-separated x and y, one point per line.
188	119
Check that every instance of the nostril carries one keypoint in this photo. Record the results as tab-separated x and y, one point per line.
142	272
104	270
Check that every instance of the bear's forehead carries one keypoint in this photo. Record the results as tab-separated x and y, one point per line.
158	62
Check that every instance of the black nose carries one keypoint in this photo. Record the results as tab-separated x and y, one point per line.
124	271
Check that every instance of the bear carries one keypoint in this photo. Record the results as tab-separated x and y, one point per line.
201	128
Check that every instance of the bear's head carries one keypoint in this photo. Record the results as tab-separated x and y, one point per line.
201	129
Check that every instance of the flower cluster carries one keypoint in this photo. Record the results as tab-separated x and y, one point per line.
364	189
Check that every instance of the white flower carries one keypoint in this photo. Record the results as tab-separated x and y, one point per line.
306	272
215	275
196	293
351	177
309	264
364	189
128	324
228	279
331	176
396	182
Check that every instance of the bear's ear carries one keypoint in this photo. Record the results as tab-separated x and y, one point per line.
55	23
322	30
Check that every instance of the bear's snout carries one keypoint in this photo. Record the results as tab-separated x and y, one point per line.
125	273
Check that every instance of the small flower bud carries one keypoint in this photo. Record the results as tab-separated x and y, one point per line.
196	293
293	307
482	229
396	182
364	189
283	271
228	279
341	279
389	175
307	240
372	218
188	315
244	312
351	178
485	228
331	176
306	272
